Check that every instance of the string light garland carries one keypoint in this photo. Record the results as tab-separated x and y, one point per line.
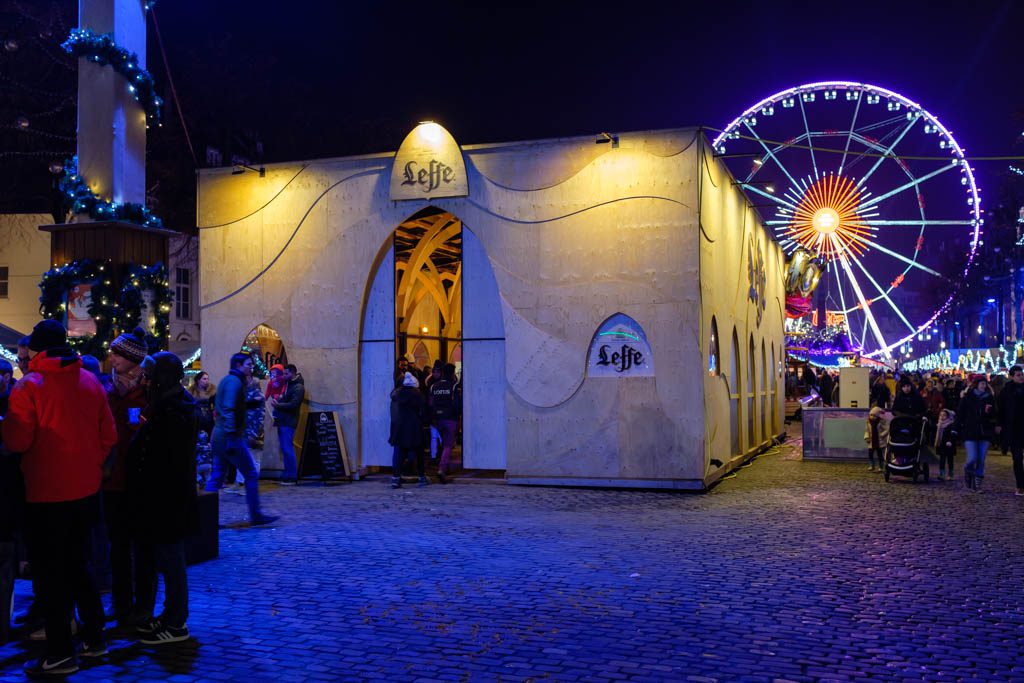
101	49
84	200
11	358
103	308
139	279
187	363
969	360
111	308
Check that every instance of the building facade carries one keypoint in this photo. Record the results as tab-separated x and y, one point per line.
614	304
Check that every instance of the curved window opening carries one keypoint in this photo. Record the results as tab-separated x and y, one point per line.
752	436
735	416
714	358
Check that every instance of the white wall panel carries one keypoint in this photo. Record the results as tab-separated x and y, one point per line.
483	361
376	364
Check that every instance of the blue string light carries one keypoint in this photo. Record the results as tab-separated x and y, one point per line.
84	200
102	50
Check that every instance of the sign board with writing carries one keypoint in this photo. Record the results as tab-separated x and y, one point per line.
620	349
429	165
323	450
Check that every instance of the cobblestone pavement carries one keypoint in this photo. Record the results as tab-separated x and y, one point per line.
789	571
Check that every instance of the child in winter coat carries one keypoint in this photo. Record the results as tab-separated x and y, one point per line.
876	434
945	443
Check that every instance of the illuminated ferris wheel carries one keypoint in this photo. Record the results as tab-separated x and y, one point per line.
875	187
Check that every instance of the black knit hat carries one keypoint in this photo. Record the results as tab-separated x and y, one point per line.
131	346
46	335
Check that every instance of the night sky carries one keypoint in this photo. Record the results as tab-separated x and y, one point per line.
332	79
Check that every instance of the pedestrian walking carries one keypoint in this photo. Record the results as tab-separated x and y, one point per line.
876	434
945	443
162	497
908	401
976	423
408	413
229	439
446	409
59	420
1011	423
286	419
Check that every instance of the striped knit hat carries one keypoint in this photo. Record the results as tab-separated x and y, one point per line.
131	346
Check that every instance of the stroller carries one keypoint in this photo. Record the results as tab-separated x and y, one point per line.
903	451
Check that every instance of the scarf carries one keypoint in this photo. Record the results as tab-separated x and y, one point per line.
126	383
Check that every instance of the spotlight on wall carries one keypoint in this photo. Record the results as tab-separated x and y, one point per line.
424	329
239	169
605	138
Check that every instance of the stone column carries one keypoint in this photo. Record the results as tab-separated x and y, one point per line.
111	124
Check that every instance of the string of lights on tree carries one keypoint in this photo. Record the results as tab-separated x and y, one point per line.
111	308
101	49
84	200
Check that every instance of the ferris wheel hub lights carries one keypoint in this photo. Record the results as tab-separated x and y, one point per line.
826	220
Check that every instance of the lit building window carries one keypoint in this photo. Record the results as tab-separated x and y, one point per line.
182	293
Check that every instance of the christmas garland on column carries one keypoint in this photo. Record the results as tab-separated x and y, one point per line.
84	200
111	309
101	49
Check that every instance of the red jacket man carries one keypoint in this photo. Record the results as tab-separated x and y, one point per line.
59	420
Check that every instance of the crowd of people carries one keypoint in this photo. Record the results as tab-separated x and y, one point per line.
424	404
98	474
976	411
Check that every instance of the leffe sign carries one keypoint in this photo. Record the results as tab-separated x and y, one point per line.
620	349
428	165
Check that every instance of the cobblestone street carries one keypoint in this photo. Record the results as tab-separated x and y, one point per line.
789	570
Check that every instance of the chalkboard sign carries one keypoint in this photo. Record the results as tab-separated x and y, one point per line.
323	448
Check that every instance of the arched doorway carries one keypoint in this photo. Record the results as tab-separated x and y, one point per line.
417	307
267	349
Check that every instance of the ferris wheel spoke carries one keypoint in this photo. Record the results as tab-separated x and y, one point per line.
881	124
896	255
871	145
768	195
846	311
810	143
882	293
770	154
865	305
906	186
923	222
853	126
888	151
